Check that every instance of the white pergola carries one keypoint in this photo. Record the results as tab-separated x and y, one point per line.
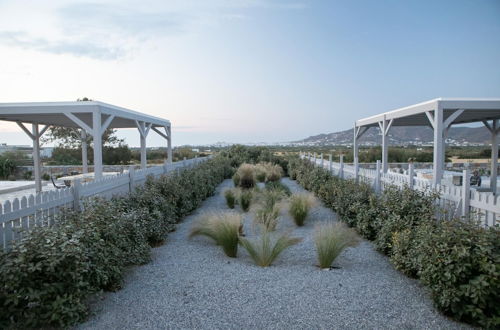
440	114
89	117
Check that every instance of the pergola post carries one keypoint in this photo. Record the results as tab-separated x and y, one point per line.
494	156
355	150
385	125
169	145
35	135
143	131
494	129
438	156
85	163
97	135
36	157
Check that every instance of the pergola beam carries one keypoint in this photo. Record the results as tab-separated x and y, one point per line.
80	122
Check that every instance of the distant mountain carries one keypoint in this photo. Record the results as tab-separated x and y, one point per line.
403	136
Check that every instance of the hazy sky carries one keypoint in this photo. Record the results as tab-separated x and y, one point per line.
248	70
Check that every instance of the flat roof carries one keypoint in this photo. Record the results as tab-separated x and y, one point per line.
475	110
53	113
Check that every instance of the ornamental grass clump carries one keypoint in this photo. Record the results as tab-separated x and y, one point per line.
246	174
260	172
266	248
300	205
331	239
245	200
230	198
223	227
273	172
268	216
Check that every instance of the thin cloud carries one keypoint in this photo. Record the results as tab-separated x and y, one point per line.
108	31
86	49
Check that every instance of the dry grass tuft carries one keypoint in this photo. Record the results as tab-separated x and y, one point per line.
331	239
300	205
265	249
223	227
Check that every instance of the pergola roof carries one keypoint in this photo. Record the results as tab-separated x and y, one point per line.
474	110
55	114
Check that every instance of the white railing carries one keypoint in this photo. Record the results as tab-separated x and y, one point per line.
22	214
455	200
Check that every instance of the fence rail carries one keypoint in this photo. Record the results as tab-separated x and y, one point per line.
454	200
22	214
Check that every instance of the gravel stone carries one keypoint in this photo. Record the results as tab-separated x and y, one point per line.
191	284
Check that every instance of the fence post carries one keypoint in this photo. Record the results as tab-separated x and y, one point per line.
377	178
330	163
410	175
465	193
131	175
314	159
321	157
77	187
341	169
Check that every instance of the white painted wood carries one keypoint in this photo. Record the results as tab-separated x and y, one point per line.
494	155
465	193
385	145
377	178
168	129
96	124
438	158
76	190
36	158
330	163
411	174
85	161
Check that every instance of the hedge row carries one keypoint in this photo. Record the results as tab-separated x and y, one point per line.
48	276
458	260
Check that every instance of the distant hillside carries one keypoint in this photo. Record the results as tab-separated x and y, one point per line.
403	136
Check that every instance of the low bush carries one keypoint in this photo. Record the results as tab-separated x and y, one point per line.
230	198
331	239
266	248
458	260
223	227
300	205
47	276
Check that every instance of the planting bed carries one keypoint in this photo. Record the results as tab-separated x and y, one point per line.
193	284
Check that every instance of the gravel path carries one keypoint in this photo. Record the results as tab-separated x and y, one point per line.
191	284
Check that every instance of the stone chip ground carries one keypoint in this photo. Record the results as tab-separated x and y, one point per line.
191	284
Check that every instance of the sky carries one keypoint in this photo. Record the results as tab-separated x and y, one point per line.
247	70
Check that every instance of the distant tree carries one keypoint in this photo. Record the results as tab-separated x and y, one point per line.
68	137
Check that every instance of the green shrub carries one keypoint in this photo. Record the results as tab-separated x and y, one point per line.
230	198
265	249
404	209
300	205
460	262
246	200
224	228
48	275
457	260
45	177
331	239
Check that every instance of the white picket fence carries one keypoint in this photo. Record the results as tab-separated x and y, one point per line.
453	200
22	214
